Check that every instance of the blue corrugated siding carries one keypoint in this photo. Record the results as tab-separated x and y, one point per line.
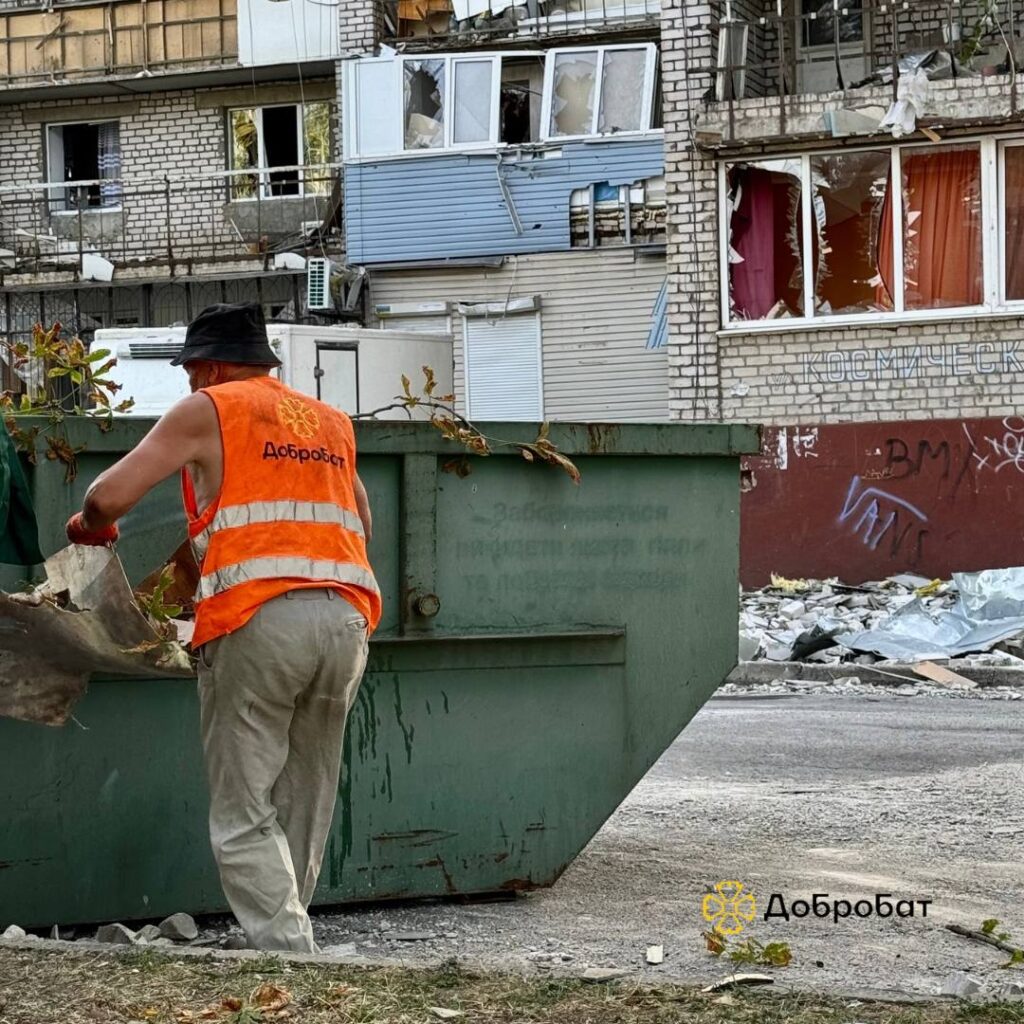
658	338
431	208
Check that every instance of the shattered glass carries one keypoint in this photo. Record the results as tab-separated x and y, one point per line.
848	190
245	153
573	93
622	91
472	101
424	104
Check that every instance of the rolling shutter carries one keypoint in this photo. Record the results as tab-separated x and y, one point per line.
503	368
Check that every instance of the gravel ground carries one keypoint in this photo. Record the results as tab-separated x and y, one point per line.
848	790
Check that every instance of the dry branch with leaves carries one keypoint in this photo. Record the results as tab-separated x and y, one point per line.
455	427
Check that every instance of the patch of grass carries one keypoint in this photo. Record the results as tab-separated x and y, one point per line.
39	986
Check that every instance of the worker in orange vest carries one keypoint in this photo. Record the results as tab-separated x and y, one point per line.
278	520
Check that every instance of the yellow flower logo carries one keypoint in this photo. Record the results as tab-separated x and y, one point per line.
298	417
729	908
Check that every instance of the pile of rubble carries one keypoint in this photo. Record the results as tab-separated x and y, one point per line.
176	930
973	619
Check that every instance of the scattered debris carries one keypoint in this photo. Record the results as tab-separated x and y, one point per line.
116	934
413	936
938	674
179	927
655	954
905	618
601	974
991	937
961	985
443	1013
736	980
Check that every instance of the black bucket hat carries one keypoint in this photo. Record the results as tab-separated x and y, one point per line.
228	332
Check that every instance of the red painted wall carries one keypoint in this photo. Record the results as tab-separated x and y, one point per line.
863	501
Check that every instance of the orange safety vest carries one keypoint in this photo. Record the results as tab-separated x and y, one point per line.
286	515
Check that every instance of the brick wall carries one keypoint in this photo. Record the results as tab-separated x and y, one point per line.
162	135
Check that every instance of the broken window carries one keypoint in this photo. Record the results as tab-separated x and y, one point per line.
600	91
765	254
424	104
881	242
522	88
848	194
622	91
88	153
604	214
572	94
271	144
485	99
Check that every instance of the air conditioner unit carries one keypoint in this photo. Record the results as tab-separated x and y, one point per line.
318	284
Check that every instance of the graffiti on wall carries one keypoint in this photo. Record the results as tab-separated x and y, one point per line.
862	501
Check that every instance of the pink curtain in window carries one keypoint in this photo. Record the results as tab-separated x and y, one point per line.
753	238
942	247
1014	198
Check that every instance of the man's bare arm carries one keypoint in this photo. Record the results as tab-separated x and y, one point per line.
182	435
363	507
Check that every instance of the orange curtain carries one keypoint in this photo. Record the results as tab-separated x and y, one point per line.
941	230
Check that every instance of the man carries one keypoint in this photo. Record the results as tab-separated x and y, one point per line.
278	520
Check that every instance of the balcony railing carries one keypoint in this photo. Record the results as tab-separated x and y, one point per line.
454	24
781	48
119	37
219	217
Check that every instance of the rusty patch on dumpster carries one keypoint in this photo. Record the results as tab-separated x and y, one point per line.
438	863
599	436
415	837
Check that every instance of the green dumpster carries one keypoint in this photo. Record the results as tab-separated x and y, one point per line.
542	644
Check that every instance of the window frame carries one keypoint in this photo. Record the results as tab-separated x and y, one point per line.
450	61
394	105
262	171
992	229
646	110
63	185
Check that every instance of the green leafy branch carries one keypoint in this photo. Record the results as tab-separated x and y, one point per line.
749	951
455	427
74	382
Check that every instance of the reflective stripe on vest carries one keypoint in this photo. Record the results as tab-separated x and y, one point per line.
290	567
276	512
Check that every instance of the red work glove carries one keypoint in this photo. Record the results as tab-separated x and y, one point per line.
78	534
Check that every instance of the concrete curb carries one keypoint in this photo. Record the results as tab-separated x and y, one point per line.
762	673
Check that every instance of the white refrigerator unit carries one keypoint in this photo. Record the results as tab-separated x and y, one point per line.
356	369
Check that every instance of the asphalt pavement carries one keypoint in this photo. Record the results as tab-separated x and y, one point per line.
918	797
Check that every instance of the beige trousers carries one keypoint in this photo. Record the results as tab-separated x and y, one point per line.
274	697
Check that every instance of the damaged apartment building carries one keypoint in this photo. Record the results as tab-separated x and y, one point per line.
846	210
160	155
849	177
504	182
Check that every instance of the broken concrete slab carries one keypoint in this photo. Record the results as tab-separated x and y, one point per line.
655	954
961	985
115	934
602	974
179	927
149	932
